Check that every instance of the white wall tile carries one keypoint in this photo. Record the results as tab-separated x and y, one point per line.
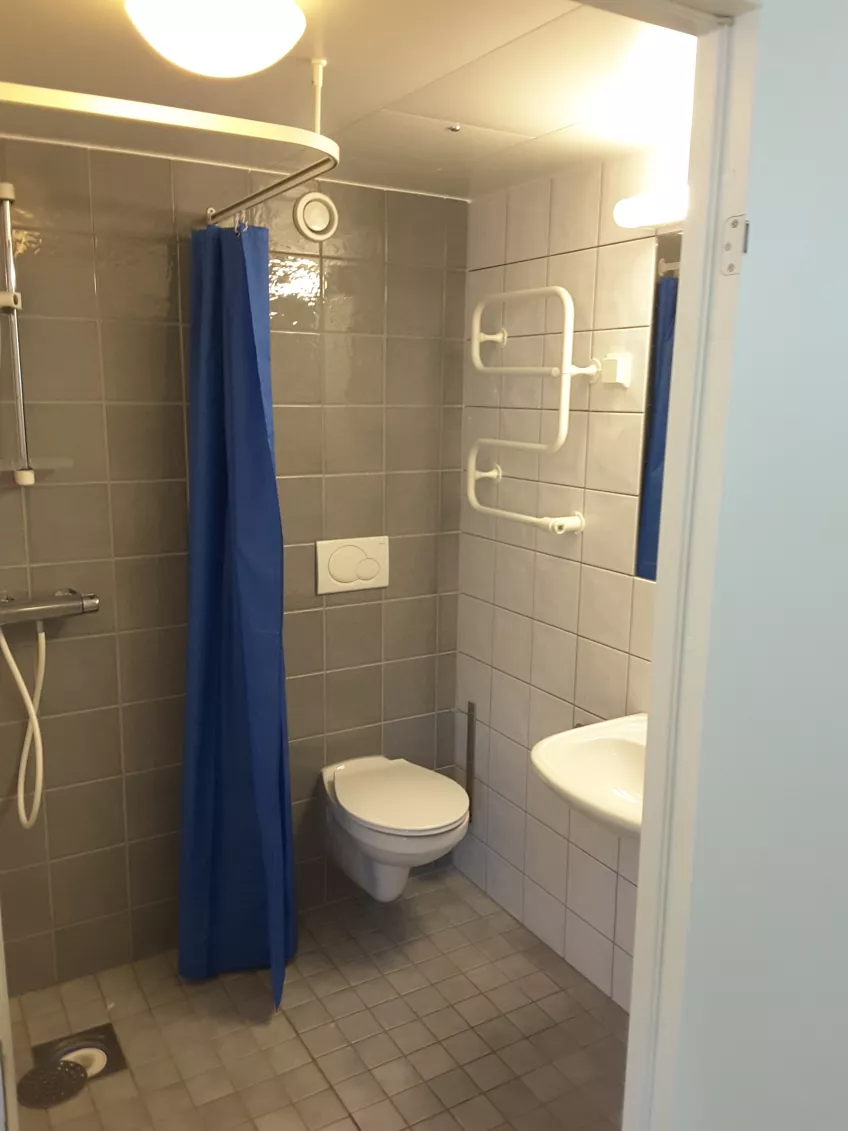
590	890
510	707
613	398
514	568
473	682
546	858
575	208
478	421
519	496
628	858
521	390
585	718
605	600
594	838
506	829
525	315
622	977
548	715
512	636
470	857
554	501
576	272
642	622
638	686
527	215
544	916
553	660
625	290
609	540
581	354
479	825
479	389
601	682
477	567
545	805
508	769
614	454
474	628
487	230
481	745
625	914
479	284
568	465
588	951
519	424
505	884
470	520
624	176
556	588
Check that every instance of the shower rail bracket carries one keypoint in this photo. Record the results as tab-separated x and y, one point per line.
9	301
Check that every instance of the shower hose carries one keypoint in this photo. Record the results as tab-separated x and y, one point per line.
33	731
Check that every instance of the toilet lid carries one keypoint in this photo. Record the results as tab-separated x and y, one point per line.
401	797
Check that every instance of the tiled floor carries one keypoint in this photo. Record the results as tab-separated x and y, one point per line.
439	1012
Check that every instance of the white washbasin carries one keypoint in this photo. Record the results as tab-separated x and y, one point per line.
599	769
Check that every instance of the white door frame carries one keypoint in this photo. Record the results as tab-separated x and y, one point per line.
691	491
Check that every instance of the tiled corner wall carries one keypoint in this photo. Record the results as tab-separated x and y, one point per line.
555	631
367	391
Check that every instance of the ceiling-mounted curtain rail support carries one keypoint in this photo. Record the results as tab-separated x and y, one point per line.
292	180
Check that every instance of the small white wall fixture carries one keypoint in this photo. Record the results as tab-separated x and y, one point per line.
614	369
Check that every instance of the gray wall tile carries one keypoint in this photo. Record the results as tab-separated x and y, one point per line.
295	292
415	301
153	733
412	739
413	371
153	929
82	747
93	946
306	760
152	663
409	688
131	194
68	524
354	296
297	441
361	230
295	368
303	640
30	963
416	228
83	675
142	362
412	502
354	635
410	628
353	439
354	697
55	270
149	518
154	869
52	185
25	896
89	886
84	817
412	438
137	278
301	508
153	802
353	506
61	359
151	592
146	441
352	369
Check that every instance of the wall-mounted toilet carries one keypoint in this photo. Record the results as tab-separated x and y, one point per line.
385	816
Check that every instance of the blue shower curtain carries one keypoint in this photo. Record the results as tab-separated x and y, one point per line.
237	906
656	427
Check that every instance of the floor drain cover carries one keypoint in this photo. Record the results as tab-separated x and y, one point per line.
51	1084
96	1050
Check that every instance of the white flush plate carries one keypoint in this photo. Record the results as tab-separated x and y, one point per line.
346	564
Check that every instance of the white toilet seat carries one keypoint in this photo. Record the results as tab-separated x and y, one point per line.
384	817
396	796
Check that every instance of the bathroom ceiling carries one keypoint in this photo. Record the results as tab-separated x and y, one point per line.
531	84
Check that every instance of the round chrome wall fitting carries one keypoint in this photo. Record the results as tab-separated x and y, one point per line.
315	216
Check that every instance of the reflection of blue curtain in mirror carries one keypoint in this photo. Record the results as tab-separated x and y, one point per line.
656	424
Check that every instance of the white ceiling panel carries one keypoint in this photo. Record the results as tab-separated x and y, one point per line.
540	82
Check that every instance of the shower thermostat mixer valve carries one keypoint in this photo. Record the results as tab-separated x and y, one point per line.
62	603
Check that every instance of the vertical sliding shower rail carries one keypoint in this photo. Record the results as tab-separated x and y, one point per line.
10	304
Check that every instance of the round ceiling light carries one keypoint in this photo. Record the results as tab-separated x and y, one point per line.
211	37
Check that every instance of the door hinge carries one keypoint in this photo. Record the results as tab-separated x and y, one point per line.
734	244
